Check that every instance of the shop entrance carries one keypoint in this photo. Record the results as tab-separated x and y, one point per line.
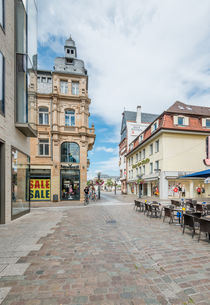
70	184
2	183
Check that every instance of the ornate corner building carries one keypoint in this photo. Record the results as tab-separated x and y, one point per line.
59	155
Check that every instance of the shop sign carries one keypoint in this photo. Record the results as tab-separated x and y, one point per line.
69	166
145	161
39	189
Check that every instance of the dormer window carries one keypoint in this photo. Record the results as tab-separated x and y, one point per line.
181	120
141	138
206	122
154	126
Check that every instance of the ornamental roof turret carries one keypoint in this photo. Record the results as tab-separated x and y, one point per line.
70	63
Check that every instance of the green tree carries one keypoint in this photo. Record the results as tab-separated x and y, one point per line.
109	183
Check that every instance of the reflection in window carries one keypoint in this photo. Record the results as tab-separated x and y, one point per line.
180	121
20	182
32	34
44	147
63	87
69	118
43	116
75	88
2	13
1	83
208	123
70	152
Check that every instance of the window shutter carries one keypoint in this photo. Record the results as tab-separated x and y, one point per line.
203	122
175	120
186	121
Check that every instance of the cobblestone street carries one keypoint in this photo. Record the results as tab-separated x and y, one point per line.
105	253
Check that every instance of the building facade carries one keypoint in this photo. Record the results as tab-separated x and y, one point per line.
133	123
172	146
59	156
18	59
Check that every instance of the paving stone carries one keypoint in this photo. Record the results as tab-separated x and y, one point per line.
74	257
14	269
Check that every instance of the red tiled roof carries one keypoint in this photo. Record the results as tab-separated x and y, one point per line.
181	108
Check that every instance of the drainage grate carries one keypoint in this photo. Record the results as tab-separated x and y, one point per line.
111	221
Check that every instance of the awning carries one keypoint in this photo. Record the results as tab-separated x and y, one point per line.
202	174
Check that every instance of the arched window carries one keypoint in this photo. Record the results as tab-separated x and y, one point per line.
43	116
69	118
70	152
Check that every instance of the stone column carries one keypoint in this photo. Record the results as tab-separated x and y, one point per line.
191	189
149	189
163	186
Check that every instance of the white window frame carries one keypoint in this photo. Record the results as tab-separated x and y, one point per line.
157	164
185	120
155	126
151	167
157	146
69	117
44	115
204	124
151	149
64	87
44	143
75	88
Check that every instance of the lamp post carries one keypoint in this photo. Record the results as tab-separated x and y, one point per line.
99	187
115	187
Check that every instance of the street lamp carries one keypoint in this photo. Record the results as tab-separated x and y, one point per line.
115	187
99	187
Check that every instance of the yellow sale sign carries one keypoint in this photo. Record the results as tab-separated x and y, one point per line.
39	189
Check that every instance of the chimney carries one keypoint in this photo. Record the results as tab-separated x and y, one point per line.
138	115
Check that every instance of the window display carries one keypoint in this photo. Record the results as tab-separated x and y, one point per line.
20	182
70	184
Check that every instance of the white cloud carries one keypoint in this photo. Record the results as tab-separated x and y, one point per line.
139	52
106	149
108	166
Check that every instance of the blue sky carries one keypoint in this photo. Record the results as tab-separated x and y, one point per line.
140	52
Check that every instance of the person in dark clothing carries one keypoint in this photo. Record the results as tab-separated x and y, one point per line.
86	191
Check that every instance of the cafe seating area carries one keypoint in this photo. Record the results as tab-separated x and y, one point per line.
189	214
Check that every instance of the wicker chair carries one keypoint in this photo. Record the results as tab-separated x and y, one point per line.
188	220
168	212
199	208
204	227
137	205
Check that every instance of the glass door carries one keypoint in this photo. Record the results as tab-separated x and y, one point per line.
70	184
